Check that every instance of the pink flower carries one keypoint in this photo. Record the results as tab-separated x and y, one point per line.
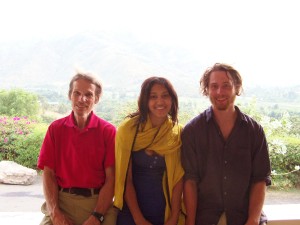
5	140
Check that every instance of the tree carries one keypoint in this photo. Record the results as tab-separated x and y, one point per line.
18	102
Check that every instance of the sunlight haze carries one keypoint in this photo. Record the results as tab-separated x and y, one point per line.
259	38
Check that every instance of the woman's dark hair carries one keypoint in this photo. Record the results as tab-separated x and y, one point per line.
143	100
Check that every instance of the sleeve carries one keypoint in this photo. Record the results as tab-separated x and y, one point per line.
47	153
188	154
261	161
109	138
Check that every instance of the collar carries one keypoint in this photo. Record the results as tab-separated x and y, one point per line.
92	123
240	116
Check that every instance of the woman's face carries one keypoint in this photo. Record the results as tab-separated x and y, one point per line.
159	104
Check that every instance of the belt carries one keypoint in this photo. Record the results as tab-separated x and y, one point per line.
86	192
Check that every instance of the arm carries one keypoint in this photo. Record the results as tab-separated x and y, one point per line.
131	199
257	197
261	177
175	203
190	201
50	189
191	163
105	196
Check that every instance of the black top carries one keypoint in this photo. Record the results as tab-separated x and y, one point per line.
147	175
223	169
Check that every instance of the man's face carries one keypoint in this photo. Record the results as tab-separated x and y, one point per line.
221	91
83	97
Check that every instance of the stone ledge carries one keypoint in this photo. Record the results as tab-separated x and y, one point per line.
285	214
284	222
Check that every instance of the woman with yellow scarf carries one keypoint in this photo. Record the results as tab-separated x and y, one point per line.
148	187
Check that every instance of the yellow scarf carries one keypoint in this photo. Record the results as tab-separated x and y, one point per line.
167	143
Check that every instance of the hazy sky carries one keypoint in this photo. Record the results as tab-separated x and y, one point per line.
259	37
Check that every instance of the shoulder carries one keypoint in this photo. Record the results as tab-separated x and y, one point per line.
60	122
106	124
251	124
199	120
98	122
249	121
128	124
105	127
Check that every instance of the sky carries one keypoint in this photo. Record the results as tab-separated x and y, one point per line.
260	38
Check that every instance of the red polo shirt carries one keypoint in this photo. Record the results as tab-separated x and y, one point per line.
79	157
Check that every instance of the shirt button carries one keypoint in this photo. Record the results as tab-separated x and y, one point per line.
225	193
151	166
225	162
225	178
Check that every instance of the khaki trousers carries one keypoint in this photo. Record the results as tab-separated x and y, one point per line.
78	209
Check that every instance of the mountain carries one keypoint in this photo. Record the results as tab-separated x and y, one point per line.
121	61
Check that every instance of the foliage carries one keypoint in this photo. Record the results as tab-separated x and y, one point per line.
11	129
115	111
285	158
28	147
284	146
295	129
21	137
18	133
18	102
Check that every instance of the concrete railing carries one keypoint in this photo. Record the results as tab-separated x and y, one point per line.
285	214
284	222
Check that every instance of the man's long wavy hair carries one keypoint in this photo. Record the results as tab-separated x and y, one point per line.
233	74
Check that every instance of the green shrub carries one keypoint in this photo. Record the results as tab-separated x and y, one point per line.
28	147
286	163
20	140
18	102
284	146
11	129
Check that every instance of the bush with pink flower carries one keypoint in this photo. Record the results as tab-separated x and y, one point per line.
20	139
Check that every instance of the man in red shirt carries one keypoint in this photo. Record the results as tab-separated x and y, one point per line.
77	159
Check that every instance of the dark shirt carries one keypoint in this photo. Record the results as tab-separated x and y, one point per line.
224	170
